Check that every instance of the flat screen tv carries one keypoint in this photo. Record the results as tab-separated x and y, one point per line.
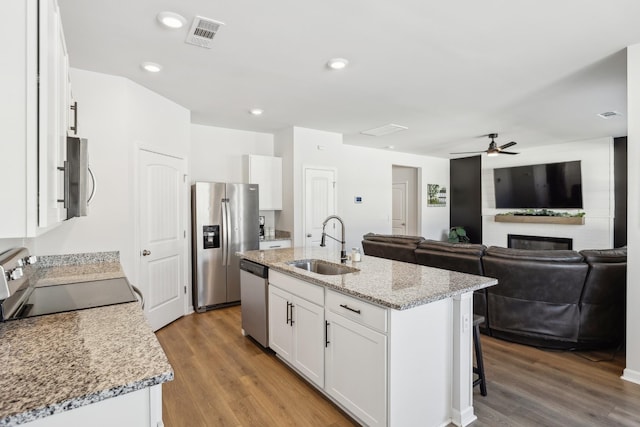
551	186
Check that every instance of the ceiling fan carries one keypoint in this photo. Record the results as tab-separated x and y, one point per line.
493	149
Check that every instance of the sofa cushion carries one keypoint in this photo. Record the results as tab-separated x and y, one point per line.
462	257
593	256
535	255
393	238
395	247
459	248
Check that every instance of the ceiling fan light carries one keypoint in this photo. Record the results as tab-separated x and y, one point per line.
492	153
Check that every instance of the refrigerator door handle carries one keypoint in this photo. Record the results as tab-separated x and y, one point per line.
225	232
228	239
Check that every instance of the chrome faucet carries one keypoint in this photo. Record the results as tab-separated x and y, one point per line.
343	252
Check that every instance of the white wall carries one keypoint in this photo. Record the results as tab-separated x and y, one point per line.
596	158
632	371
117	116
361	172
219	153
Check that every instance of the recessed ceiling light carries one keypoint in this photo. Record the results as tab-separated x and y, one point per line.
171	20
151	67
390	147
337	63
609	114
256	111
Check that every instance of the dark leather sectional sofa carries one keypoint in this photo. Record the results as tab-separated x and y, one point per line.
554	299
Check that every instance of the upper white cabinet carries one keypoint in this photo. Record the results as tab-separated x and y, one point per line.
266	171
54	115
34	106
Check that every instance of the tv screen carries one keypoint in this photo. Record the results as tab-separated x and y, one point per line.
551	185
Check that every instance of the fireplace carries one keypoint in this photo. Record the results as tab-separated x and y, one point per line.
518	241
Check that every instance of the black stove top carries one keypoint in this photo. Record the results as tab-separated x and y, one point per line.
75	296
21	298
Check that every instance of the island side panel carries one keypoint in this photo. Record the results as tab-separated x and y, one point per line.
420	364
462	410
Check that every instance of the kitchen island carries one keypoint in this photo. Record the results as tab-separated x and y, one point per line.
389	342
100	366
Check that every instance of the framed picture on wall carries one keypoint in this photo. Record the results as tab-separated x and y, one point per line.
436	195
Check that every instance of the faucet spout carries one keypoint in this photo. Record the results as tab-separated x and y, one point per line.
343	251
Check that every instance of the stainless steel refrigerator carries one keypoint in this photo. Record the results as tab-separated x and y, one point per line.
224	220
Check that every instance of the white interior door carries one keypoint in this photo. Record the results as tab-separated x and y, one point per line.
399	208
319	203
162	236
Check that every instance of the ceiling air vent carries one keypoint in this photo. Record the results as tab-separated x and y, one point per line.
384	130
202	31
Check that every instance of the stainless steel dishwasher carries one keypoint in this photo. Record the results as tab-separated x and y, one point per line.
254	291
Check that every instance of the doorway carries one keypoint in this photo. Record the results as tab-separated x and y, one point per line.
404	204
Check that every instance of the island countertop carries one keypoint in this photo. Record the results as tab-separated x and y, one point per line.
58	362
393	284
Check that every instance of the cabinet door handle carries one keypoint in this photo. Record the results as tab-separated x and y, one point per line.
288	316
74	108
292	321
326	334
355	310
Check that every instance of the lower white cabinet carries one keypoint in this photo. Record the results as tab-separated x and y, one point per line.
296	332
385	367
356	368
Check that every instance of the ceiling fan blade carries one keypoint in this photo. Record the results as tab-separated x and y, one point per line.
507	152
507	145
470	152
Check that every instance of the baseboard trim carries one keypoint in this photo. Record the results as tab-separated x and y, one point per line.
463	418
631	376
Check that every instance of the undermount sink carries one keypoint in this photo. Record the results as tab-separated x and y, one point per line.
322	267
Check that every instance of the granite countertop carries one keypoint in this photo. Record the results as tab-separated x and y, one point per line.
58	362
393	284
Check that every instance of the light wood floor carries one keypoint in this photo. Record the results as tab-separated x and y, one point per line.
225	379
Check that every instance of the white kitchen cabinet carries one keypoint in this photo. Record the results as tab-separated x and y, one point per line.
266	171
356	368
296	325
385	367
274	244
280	328
34	118
54	115
356	357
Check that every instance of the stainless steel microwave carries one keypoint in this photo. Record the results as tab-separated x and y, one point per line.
76	178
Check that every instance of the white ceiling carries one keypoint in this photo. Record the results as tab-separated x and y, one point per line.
537	72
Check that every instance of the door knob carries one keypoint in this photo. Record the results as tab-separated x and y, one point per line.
309	235
146	252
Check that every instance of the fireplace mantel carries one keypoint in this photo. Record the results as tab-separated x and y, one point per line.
539	219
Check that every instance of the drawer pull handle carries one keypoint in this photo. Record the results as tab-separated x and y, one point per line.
355	310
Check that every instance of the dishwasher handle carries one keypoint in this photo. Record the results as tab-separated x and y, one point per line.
254	268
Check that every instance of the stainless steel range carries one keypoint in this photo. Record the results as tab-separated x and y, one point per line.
21	297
